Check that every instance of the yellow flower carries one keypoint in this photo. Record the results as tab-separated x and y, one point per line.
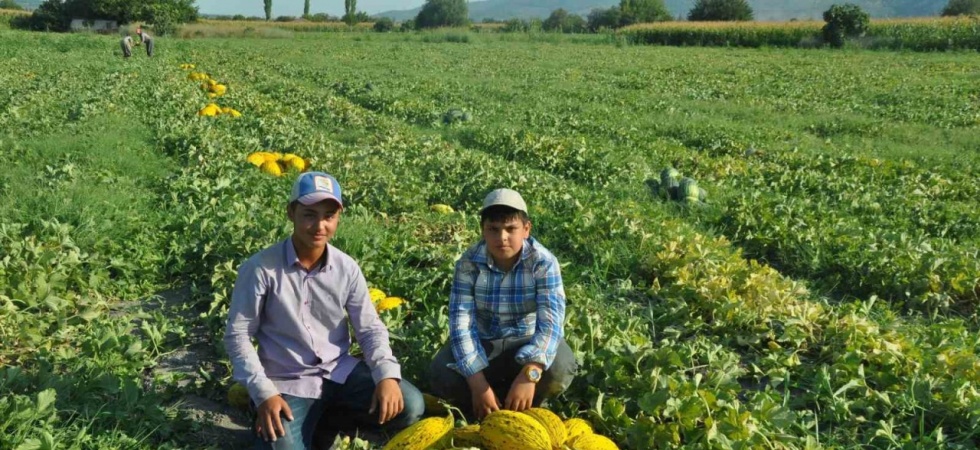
186	66
390	303
271	168
376	295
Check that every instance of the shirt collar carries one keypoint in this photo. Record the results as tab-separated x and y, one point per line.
291	259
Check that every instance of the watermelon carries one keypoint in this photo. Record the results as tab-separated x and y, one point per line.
689	190
452	116
669	173
673	189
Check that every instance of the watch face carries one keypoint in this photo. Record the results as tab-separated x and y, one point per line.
533	374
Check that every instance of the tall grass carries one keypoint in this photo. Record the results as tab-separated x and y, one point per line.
6	15
259	29
724	34
919	34
927	34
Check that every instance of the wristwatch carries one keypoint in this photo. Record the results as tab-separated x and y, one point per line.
533	373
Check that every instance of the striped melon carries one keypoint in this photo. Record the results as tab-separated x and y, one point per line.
689	190
673	189
272	168
468	436
256	158
433	405
551	422
593	442
576	427
669	173
509	430
422	434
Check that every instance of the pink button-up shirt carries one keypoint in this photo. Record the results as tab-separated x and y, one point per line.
299	319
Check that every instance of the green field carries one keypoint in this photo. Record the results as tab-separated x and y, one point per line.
824	296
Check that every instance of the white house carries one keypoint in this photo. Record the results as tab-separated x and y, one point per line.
98	25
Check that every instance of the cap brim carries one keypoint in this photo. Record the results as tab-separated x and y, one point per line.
515	208
318	197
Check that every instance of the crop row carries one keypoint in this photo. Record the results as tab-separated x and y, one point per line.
894	34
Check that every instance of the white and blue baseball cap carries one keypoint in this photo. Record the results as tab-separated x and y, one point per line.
315	187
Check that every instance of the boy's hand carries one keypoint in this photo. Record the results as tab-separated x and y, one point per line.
387	395
521	394
267	424
484	400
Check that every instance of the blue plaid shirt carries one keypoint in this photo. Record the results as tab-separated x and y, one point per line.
487	303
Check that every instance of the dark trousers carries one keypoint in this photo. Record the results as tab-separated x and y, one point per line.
347	403
127	51
149	47
450	385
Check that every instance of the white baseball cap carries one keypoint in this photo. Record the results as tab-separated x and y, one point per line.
504	197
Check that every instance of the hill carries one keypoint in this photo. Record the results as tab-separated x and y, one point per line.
764	9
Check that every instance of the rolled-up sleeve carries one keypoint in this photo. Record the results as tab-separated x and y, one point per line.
463	334
370	331
243	323
550	296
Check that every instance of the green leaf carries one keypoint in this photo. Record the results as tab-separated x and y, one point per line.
30	444
45	401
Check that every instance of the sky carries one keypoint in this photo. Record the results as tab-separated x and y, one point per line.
295	7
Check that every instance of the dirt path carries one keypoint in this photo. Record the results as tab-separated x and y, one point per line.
216	425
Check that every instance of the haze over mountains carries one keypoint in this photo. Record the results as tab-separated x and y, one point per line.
528	9
764	9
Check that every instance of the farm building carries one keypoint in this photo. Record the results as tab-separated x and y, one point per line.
97	25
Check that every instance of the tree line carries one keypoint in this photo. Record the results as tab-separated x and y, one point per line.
165	15
452	13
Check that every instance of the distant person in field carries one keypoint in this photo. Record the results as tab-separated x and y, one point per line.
506	344
298	299
127	45
145	39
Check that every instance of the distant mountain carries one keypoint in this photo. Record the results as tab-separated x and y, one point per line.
509	9
764	9
29	4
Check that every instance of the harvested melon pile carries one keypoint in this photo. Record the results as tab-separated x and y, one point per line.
674	187
276	164
534	429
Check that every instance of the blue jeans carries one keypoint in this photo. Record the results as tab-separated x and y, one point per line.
349	401
448	384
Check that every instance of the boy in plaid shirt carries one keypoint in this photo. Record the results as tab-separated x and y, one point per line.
506	315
